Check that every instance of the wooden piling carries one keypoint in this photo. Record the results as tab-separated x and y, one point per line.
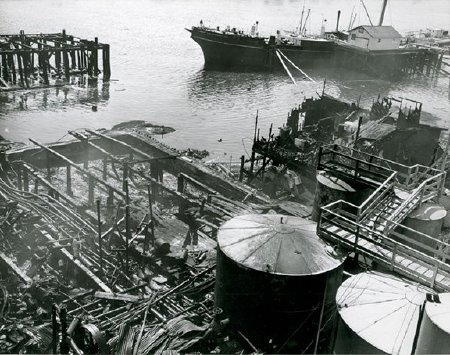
125	176
105	168
69	180
64	346
19	65
94	51
25	63
44	62
73	60
69	55
99	230
127	225
55	329
57	57
4	69
106	63
241	170
12	68
91	190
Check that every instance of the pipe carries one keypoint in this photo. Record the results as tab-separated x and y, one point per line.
383	9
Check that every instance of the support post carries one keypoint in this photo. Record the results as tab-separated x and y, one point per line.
19	64
64	347
105	168
69	180
55	329
65	57
95	57
241	170
47	160
12	68
106	63
44	61
110	201
127	225
152	222
99	229
86	155
125	176
57	57
91	191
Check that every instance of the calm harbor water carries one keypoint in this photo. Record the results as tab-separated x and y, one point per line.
158	76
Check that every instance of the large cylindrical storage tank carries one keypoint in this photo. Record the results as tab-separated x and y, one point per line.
434	334
427	219
276	282
330	188
378	314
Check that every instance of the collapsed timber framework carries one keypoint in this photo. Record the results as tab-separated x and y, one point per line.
97	213
35	60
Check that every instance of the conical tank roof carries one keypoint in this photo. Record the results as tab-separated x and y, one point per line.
382	309
277	244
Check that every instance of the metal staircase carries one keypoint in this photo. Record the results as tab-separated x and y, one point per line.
374	228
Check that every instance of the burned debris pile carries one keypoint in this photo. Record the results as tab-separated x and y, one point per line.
108	244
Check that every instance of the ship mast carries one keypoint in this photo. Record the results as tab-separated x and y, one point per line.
299	28
380	23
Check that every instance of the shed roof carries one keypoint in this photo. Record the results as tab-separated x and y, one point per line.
380	31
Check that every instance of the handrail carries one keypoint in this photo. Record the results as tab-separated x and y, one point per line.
375	195
420	189
381	237
411	171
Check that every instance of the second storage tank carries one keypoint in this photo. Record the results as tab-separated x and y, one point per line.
276	282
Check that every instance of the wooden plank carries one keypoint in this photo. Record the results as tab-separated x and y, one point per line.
13	267
95	279
135	150
117	297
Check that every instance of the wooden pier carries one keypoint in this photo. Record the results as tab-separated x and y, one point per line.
40	60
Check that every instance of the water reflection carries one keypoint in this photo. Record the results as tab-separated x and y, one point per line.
80	93
219	86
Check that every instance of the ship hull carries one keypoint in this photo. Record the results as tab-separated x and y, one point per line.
233	52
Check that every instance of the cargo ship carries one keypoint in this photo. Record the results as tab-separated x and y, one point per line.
374	50
235	49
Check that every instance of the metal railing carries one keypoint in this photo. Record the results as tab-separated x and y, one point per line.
372	166
430	262
420	183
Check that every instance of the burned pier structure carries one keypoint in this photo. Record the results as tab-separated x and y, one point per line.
121	231
35	60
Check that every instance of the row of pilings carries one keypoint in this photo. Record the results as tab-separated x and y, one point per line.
49	59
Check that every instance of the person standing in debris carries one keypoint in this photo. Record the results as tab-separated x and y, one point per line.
191	215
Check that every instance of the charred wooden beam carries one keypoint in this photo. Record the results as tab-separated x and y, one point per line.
82	170
14	268
130	147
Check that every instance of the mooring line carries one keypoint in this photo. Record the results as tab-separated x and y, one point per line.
296	67
285	67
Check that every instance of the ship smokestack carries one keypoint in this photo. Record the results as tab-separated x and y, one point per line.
337	22
380	23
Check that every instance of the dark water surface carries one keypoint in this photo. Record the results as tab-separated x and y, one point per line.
157	70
